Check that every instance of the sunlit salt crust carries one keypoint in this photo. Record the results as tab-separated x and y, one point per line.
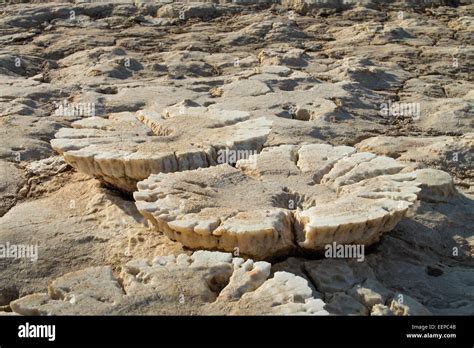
125	148
285	199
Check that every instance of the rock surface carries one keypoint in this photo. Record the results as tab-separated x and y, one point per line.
451	154
202	283
150	87
122	149
280	200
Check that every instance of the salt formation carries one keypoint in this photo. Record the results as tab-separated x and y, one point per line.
203	283
283	199
393	78
126	148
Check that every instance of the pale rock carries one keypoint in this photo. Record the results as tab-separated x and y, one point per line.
287	202
327	76
127	148
408	306
244	88
380	309
370	293
247	277
12	181
436	185
449	153
285	294
294	57
203	283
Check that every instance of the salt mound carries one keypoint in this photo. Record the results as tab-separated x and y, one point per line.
126	148
284	199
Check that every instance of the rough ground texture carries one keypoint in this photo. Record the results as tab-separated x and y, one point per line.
282	199
97	98
203	283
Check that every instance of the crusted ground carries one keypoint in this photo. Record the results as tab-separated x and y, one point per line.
95	98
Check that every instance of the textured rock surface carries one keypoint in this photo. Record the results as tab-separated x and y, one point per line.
122	150
74	223
202	283
285	198
12	181
393	78
452	154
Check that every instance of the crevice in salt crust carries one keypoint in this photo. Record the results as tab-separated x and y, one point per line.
270	206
